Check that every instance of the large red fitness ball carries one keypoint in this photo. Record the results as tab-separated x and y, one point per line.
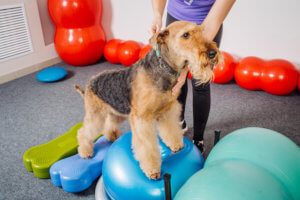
110	51
75	13
81	47
223	72
79	37
144	51
279	77
128	52
247	73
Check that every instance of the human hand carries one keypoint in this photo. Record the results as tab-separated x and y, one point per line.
180	81
208	32
156	25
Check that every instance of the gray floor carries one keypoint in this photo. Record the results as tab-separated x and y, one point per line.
33	113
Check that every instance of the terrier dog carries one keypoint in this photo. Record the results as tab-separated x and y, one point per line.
143	93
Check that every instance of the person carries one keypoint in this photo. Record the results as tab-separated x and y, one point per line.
211	14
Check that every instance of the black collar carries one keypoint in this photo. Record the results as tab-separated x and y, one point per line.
164	65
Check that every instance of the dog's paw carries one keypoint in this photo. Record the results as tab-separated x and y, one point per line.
85	152
153	174
176	147
151	170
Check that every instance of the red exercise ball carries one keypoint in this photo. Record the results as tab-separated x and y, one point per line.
223	72
279	77
144	51
247	73
111	51
299	82
79	37
82	47
75	13
189	75
128	52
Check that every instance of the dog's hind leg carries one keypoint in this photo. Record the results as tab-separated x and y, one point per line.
92	125
145	146
169	128
111	126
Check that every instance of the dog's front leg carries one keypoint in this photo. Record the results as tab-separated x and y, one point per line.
169	128
145	146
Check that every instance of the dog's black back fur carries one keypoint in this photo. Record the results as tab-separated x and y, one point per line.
114	87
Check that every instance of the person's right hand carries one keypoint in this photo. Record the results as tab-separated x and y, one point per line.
180	81
156	25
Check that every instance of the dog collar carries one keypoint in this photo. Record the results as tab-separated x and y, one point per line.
164	65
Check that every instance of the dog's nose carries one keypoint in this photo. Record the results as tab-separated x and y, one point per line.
211	53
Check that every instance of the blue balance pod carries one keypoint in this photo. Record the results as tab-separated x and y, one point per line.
123	178
51	74
75	174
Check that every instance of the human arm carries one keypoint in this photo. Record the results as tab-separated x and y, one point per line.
180	81
158	7
215	17
211	26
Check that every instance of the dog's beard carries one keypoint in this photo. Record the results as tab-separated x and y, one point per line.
201	70
202	74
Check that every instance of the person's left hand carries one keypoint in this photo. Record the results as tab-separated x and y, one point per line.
180	81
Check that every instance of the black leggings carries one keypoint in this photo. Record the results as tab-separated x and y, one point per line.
201	95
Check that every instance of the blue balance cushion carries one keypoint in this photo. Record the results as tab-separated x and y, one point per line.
75	174
51	74
123	178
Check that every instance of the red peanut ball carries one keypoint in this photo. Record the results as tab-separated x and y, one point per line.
223	72
189	75
128	52
279	77
79	37
247	73
144	51
299	82
111	51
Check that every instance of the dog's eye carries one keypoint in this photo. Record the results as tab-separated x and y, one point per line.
186	35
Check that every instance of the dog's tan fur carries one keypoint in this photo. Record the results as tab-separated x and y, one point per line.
150	106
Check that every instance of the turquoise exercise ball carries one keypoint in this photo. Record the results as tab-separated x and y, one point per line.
264	148
233	180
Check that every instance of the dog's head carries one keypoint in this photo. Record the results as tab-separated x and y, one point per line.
183	43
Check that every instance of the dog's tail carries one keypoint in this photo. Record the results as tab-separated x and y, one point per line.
79	90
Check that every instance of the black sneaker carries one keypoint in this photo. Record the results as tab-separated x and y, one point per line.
200	145
184	126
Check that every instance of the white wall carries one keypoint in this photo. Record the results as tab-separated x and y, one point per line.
48	27
42	56
127	20
267	29
264	28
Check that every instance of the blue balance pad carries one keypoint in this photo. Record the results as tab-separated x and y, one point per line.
123	178
75	174
51	74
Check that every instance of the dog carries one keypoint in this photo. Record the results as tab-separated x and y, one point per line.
143	92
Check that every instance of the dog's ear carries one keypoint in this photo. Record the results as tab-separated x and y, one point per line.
158	38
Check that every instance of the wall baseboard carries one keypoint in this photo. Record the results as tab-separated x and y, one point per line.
28	70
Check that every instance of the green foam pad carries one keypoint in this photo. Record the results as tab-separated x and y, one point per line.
40	158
